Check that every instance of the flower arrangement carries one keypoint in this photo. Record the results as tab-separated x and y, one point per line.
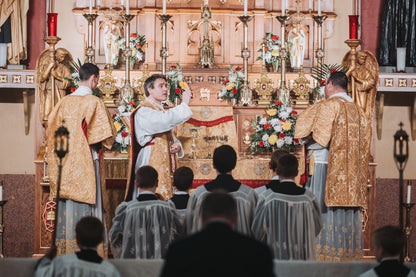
75	80
272	47
176	84
322	71
122	140
137	45
275	131
232	86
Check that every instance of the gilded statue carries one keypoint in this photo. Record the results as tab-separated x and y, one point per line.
52	72
112	30
363	75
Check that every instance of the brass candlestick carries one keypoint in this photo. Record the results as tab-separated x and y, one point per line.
284	92
320	54
89	51
246	93
127	91
164	18
407	231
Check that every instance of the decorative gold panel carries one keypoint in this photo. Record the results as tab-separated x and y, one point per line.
413	82
3	78
30	79
402	82
388	82
16	79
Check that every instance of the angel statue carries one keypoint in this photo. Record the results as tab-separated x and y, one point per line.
52	73
297	39
112	30
363	74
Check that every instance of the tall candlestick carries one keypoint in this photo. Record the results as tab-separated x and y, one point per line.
164	6
127	6
90	6
283	7
145	54
319	7
245	7
409	190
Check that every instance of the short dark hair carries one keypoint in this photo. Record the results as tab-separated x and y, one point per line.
275	158
183	178
339	79
146	177
89	231
218	203
225	158
87	70
150	82
287	166
390	238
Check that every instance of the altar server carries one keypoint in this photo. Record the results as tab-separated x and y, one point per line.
153	141
144	227
288	217
86	262
273	166
224	160
182	181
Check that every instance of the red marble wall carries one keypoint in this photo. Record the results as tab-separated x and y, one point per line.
371	12
36	20
19	214
387	207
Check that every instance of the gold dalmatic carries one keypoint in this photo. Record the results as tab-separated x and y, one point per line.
344	126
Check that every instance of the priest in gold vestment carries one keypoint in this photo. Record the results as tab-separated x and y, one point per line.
337	135
90	126
153	141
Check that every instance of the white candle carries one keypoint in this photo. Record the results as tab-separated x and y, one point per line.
245	7
401	59
145	54
409	190
205	2
310	4
283	7
164	6
98	3
264	61
1	191
319	7
127	6
90	6
122	3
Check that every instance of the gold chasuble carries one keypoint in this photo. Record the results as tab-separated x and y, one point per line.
344	127
78	176
160	158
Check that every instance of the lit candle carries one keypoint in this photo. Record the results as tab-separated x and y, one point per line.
319	7
283	7
127	6
90	6
409	190
245	7
164	6
310	4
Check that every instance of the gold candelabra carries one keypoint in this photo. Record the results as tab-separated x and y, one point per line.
319	53
127	91
284	92
164	18
246	93
89	51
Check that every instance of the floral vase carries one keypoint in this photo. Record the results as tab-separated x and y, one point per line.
275	67
234	101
